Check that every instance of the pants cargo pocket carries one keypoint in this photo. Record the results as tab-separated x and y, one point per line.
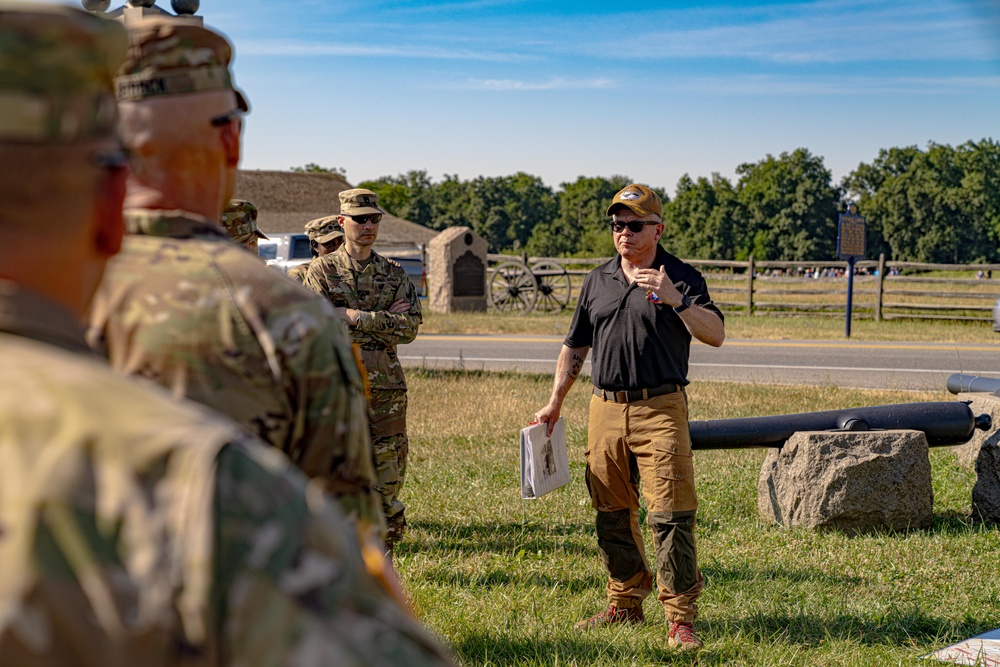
673	482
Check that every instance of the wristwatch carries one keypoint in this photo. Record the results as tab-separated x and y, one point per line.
685	304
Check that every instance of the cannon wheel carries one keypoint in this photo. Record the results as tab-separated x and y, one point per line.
554	286
512	287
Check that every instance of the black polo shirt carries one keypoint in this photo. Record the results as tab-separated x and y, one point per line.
635	343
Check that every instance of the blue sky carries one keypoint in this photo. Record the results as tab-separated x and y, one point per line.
652	90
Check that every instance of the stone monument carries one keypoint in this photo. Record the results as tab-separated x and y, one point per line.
456	271
857	482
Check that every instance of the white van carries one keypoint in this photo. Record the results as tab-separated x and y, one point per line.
283	251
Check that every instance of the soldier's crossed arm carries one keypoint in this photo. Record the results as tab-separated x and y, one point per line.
389	327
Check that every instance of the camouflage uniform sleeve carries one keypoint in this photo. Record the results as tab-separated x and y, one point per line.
393	328
291	584
298	272
317	280
330	438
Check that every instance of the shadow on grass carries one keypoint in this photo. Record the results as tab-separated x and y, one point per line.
719	576
511	537
486	579
895	628
727	641
498	650
954	523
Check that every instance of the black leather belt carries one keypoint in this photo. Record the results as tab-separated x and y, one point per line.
633	395
373	347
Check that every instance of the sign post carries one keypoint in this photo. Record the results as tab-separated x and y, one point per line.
851	244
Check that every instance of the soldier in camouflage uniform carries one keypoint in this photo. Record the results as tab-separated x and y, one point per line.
333	238
136	529
374	296
185	307
240	221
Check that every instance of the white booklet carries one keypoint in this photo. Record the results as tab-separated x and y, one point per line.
982	650
544	463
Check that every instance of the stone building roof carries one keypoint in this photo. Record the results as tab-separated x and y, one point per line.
286	201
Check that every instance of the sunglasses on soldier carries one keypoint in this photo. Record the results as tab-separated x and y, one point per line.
635	226
373	218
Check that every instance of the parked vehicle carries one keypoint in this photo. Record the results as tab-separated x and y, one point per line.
284	251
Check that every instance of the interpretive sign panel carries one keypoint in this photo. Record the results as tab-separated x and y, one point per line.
851	235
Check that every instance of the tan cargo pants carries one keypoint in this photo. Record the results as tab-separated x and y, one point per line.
649	442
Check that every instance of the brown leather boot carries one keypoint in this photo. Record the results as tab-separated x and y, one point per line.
613	616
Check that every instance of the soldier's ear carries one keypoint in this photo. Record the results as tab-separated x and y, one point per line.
231	142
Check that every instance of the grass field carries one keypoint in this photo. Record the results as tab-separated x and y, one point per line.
737	327
502	580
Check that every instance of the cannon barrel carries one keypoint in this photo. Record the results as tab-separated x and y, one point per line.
959	383
943	423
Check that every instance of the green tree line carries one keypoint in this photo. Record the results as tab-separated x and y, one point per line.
939	204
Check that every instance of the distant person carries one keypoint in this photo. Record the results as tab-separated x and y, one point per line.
333	235
136	530
639	312
186	308
240	220
375	298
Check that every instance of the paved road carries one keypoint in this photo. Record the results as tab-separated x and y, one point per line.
822	363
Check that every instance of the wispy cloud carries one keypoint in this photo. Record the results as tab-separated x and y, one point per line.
555	83
347	49
855	88
838	31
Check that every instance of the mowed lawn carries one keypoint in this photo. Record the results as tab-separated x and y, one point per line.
759	327
502	580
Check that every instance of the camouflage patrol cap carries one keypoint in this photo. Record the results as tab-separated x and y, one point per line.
359	201
168	58
338	233
643	201
56	74
321	227
240	220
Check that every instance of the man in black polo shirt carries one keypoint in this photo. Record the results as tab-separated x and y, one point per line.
638	312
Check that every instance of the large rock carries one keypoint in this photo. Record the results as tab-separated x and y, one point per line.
986	492
980	404
857	482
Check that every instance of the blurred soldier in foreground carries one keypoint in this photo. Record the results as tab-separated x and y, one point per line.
184	307
136	529
332	235
376	299
639	312
240	221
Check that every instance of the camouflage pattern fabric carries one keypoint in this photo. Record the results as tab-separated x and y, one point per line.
185	307
65	96
372	291
138	530
166	57
391	447
298	272
321	227
240	220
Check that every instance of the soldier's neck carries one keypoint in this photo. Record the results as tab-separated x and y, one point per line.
202	199
357	252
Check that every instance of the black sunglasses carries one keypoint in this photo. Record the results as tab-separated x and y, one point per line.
226	118
635	227
373	218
